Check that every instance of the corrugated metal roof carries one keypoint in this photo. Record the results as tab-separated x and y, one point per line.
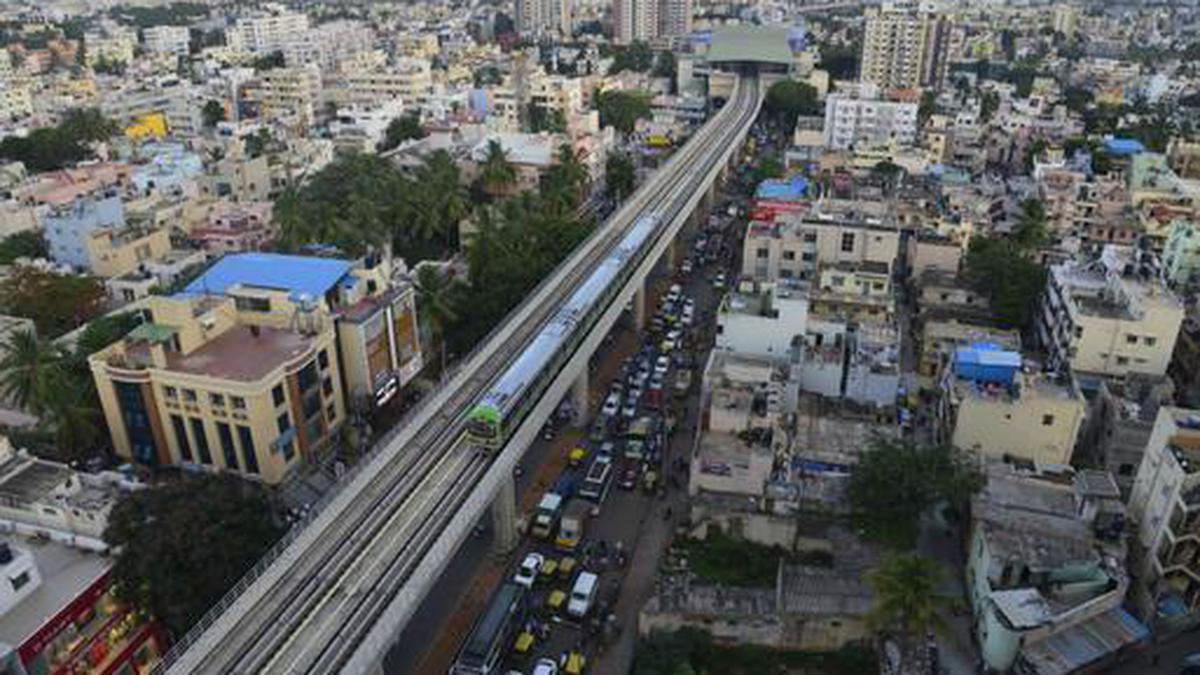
1085	643
293	273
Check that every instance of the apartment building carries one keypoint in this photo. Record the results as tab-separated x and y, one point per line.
1108	317
250	368
635	20
990	405
266	32
410	80
235	227
1181	254
116	251
114	45
330	46
538	17
288	94
861	118
904	47
15	100
794	245
1045	571
68	228
1165	508
854	290
173	40
763	319
942	338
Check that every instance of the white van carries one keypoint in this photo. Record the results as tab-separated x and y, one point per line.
583	594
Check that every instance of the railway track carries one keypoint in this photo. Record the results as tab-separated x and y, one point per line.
311	608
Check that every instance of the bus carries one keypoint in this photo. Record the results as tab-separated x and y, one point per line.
493	633
597	480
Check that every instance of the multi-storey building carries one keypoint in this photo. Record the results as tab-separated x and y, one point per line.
250	368
1108	317
1181	254
793	246
634	20
904	47
267	32
991	406
289	94
167	40
1165	508
114	45
330	46
68	228
674	18
537	17
861	118
15	100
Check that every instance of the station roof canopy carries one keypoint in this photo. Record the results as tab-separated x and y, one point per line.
750	44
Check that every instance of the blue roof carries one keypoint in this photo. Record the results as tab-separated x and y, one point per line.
986	354
1123	146
293	273
788	189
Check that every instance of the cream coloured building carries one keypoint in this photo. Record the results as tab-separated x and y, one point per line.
113	252
793	246
1109	317
410	80
904	48
289	94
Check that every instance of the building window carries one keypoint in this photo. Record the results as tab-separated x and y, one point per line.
201	441
1047	420
848	242
789	255
227	448
323	359
252	304
238	402
19	581
1151	341
1078	331
331	412
761	253
277	395
1122	360
307	377
217	400
249	456
170	392
838	280
288	450
181	439
810	237
283	422
189	395
327	386
1131	339
808	257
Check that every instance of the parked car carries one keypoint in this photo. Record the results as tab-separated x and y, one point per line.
630	408
527	573
662	365
719	281
611	405
545	667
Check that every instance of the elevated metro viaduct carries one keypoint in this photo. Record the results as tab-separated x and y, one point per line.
337	592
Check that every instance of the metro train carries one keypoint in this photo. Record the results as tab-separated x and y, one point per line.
497	412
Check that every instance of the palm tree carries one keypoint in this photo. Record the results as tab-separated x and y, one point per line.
433	301
907	598
497	173
31	372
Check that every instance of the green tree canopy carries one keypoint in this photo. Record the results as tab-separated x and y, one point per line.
637	57
907	598
403	128
666	65
56	303
51	148
213	113
208	530
27	244
1002	271
619	176
896	481
788	99
622	109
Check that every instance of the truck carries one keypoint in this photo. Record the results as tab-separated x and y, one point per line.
566	484
549	509
570	527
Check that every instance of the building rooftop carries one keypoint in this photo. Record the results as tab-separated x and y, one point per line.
750	43
241	354
292	273
66	572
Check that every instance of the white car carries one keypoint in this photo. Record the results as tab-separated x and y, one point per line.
629	410
688	316
611	405
662	365
530	568
545	667
719	281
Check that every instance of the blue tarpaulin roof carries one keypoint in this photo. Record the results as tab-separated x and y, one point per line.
293	273
1123	146
786	189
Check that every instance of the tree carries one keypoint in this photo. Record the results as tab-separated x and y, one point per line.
619	176
550	120
31	371
404	128
209	530
1030	232
257	143
841	61
487	76
439	205
927	107
269	61
622	109
667	67
563	183
213	113
787	99
989	102
107	66
637	57
896	481
27	244
907	599
434	308
51	148
1002	271
56	303
496	174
